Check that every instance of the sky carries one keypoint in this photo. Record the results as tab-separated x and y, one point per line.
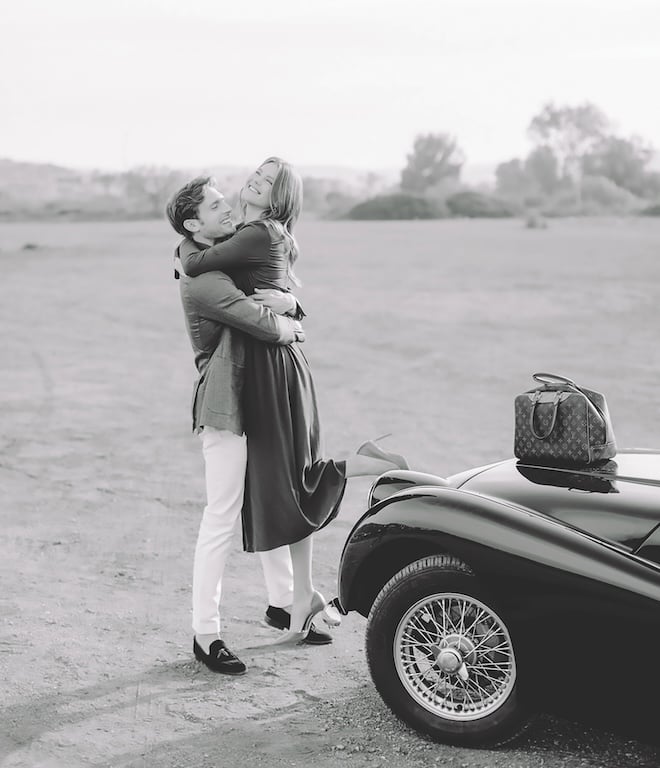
200	83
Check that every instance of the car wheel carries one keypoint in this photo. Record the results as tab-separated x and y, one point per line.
442	658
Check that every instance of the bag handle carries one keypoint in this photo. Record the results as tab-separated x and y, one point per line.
542	378
536	434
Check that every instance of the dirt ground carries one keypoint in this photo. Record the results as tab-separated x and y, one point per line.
96	653
101	495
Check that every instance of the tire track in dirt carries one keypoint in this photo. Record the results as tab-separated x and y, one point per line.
41	418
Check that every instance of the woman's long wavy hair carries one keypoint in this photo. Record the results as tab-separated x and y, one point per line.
285	205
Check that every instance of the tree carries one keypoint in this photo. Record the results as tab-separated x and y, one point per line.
542	169
435	157
623	161
570	132
531	181
511	180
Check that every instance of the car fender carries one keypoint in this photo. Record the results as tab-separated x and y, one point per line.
518	549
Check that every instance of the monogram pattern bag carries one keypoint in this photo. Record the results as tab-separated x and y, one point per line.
560	423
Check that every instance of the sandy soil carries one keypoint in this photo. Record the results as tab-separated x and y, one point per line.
101	496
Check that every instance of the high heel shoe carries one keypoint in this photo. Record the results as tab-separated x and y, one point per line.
330	616
293	637
375	452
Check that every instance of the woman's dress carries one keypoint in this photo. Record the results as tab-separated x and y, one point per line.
290	489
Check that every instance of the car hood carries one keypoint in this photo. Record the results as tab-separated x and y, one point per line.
618	501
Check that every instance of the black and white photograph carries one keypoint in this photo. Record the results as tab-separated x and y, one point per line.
329	366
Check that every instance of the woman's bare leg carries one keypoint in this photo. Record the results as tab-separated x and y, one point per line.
303	586
305	598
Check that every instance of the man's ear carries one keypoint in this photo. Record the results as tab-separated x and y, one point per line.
192	225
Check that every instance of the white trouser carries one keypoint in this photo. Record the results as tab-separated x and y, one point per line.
225	460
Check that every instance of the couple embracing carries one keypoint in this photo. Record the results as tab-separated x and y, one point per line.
254	406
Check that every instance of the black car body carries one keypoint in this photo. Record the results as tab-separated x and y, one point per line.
564	564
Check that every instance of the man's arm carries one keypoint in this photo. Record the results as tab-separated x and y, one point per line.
217	298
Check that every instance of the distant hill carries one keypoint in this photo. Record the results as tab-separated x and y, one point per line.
48	191
38	190
20	181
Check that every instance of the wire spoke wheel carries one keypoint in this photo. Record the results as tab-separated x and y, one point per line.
454	656
442	658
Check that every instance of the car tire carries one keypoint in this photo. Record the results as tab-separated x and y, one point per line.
455	682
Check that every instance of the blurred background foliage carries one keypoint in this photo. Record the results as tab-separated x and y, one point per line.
577	165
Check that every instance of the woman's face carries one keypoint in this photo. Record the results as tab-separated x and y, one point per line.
259	186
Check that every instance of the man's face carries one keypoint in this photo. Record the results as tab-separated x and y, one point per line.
213	215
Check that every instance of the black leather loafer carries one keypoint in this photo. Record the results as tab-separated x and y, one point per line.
281	619
219	658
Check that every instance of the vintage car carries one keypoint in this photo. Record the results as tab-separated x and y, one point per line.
507	589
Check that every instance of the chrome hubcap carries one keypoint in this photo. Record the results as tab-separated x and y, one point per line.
454	656
449	660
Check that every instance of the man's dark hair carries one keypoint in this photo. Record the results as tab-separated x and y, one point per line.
185	203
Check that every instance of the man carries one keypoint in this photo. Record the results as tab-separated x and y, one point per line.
217	313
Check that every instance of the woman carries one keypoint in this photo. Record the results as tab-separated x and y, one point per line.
290	489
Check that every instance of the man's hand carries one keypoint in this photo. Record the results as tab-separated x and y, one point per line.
279	302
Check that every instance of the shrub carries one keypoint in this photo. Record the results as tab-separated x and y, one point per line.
651	210
397	206
535	220
475	205
602	195
598	196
